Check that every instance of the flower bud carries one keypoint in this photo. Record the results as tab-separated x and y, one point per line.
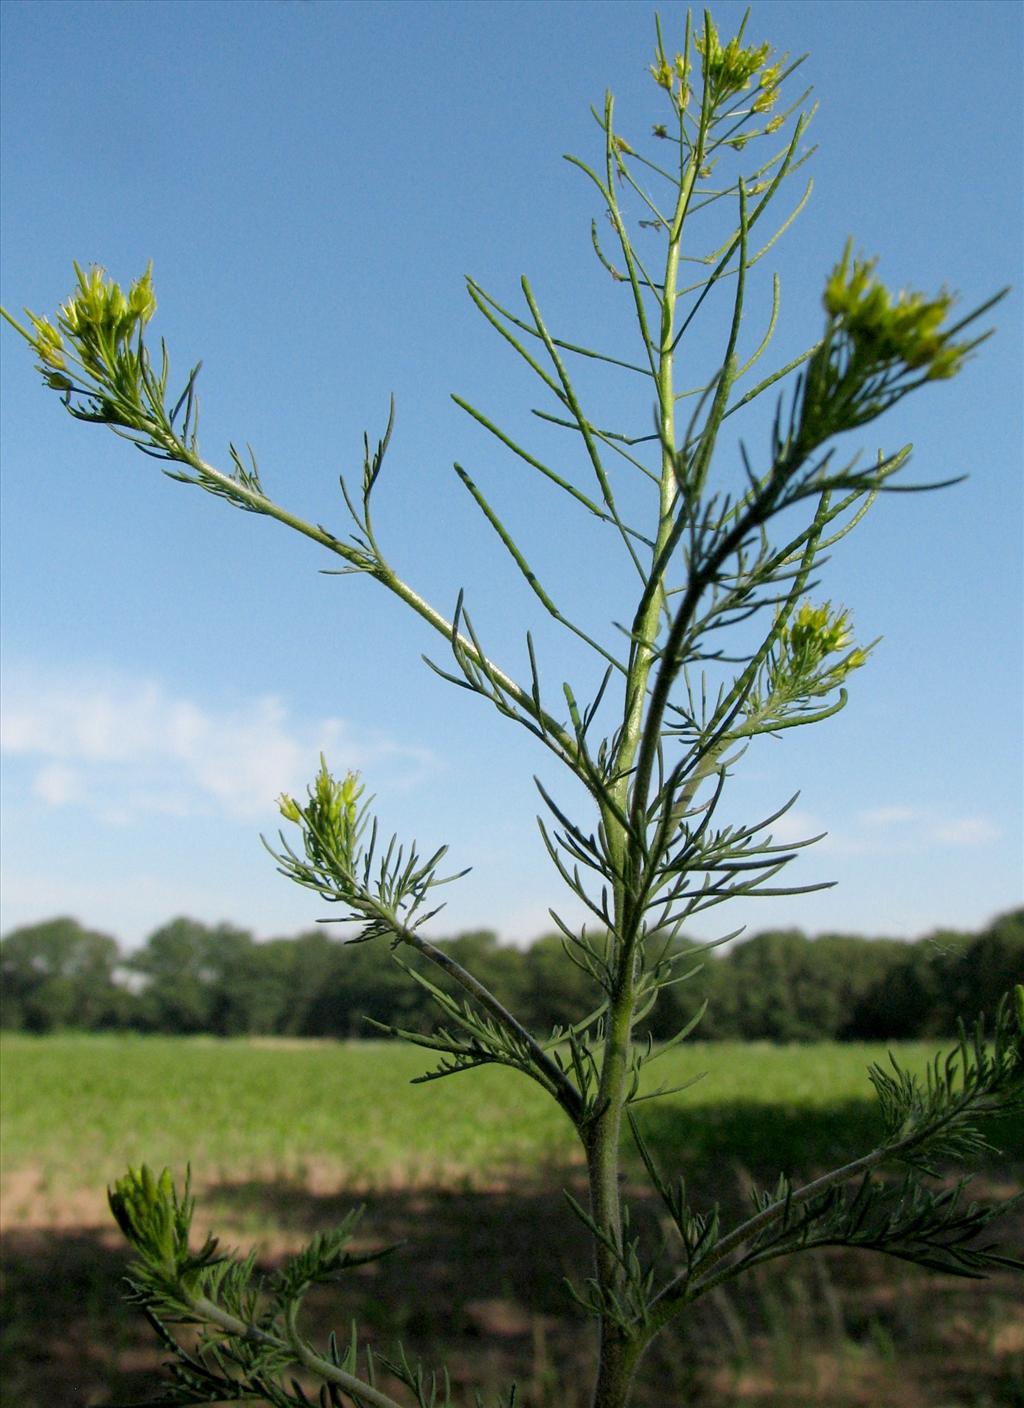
729	70
801	665
883	329
48	342
144	1208
141	298
662	74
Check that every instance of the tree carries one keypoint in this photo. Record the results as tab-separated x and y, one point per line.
555	992
308	965
786	987
188	970
989	964
58	975
649	738
290	975
934	981
852	967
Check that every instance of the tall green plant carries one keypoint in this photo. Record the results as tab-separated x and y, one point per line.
653	747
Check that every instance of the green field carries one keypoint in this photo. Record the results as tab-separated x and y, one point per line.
77	1110
284	1137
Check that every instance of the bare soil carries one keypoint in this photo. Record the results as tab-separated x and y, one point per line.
479	1285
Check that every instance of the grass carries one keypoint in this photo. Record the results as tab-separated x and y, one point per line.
283	1137
264	1109
284	1108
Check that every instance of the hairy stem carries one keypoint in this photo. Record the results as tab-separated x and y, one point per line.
212	1314
603	1139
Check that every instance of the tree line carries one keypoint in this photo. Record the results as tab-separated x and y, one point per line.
190	978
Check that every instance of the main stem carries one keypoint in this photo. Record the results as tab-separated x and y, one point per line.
621	1347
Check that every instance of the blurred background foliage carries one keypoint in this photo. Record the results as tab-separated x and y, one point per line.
779	985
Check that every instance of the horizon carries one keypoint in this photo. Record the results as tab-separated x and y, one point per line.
714	948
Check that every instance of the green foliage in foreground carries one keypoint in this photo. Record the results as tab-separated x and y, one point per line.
251	1344
78	1109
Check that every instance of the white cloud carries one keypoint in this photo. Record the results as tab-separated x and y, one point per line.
57	784
920	827
887	830
795	826
965	831
122	747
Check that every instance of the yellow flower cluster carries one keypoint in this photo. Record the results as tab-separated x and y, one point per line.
98	319
905	329
727	71
771	76
332	813
815	633
730	70
100	305
48	343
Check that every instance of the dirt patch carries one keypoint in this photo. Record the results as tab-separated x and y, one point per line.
479	1285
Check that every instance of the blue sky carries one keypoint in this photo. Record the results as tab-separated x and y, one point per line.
312	181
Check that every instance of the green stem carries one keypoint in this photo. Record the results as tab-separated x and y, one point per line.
679	1291
212	1314
617	1365
559	1084
603	1138
552	731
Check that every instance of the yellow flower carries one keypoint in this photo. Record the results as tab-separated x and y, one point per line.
98	311
815	633
141	298
907	328
48	342
729	70
662	74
